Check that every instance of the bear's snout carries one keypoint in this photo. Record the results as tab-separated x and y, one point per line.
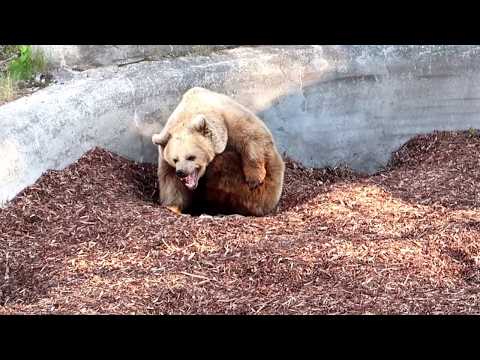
181	173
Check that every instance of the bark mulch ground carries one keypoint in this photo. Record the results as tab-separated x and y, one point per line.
91	239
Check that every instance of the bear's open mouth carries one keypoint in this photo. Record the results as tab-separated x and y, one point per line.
191	181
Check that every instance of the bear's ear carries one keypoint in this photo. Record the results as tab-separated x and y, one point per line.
161	139
213	128
199	123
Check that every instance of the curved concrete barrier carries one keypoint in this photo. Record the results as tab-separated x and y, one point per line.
83	57
326	105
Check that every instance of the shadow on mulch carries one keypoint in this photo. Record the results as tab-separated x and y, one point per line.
144	176
442	168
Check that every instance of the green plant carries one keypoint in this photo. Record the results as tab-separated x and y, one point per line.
472	132
27	64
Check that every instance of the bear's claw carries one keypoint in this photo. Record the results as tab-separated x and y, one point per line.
174	209
253	184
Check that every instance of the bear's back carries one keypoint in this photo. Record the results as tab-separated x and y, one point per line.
200	100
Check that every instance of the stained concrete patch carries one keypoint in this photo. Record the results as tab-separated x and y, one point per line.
10	164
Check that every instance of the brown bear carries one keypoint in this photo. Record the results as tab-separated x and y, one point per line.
211	137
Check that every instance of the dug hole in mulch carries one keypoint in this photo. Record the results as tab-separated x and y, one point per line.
92	239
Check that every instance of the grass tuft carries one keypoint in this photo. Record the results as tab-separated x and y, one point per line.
7	88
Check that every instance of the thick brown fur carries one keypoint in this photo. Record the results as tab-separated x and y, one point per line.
225	190
232	148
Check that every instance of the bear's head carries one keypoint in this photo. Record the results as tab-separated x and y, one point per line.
190	147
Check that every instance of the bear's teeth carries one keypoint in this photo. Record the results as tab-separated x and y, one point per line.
190	181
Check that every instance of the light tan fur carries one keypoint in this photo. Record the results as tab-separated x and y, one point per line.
213	127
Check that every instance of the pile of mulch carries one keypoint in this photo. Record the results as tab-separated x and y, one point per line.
92	239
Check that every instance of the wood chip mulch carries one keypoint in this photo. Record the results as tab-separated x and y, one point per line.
90	239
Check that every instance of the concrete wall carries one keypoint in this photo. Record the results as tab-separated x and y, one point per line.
326	105
83	57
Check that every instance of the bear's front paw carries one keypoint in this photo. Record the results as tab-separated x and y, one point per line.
254	175
253	183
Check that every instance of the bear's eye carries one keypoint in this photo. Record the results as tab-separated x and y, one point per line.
175	160
191	158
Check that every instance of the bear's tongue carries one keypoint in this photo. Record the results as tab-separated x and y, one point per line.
191	181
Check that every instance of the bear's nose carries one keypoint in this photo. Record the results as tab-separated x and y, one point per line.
180	173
